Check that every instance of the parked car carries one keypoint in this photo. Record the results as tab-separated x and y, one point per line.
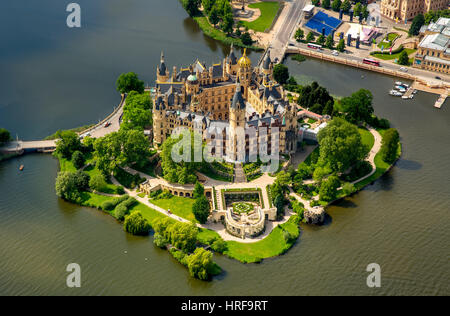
438	78
107	124
404	69
335	53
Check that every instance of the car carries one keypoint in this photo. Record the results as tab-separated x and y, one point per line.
107	124
404	69
335	53
438	78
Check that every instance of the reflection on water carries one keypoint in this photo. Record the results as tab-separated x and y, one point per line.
400	222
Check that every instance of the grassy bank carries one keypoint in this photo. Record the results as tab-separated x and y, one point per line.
180	206
218	35
76	130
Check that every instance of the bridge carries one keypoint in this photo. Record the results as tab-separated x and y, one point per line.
285	27
47	146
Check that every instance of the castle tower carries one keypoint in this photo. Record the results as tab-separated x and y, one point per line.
267	67
162	73
237	124
245	73
232	62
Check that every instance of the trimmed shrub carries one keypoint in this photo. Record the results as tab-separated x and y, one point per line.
120	212
136	224
219	246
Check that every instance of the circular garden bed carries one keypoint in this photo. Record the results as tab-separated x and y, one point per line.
243	207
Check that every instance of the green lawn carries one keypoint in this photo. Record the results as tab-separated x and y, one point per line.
181	206
271	246
92	171
385	42
66	165
393	56
268	12
367	138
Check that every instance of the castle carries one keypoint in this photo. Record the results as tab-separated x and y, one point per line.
226	98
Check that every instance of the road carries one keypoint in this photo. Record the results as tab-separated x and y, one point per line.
427	75
288	25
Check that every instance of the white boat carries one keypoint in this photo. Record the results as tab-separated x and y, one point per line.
404	97
400	88
395	93
398	83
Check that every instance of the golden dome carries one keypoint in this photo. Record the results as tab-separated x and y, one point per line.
244	61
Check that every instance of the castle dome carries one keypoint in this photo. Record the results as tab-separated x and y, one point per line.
192	78
244	61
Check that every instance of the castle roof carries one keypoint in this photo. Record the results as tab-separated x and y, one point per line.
267	61
238	101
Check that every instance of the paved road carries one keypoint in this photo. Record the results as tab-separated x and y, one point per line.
287	28
430	76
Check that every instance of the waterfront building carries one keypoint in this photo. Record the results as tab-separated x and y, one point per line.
433	52
224	98
408	9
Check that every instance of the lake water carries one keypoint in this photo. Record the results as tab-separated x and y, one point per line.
54	77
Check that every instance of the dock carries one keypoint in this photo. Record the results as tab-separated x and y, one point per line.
441	101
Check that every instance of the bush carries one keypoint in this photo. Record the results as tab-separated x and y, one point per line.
120	190
136	224
179	256
160	241
201	209
78	159
5	136
109	205
97	182
200	264
219	246
120	212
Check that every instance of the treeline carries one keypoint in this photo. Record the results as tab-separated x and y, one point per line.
421	20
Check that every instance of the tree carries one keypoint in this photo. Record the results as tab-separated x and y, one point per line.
321	39
315	2
136	224
160	241
69	185
68	143
129	82
191	6
214	16
389	145
348	188
336	5
246	39
5	136
200	264
314	98
330	42
278	202
328	189
228	23
358	107
283	179
346	6
182	236
365	12
97	182
310	37
417	23
341	46
280	73
403	59
78	159
201	209
299	35
208	5
199	190
340	145
219	246
357	9
326	4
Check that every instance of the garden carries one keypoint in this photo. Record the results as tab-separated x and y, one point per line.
243	207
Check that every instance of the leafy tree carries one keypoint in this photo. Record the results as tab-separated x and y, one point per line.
365	12
129	82
358	107
346	6
201	209
328	189
69	185
136	224
389	145
5	136
314	98
340	145
97	182
315	2
321	39
246	39
336	5
191	6
214	16
78	159
200	264
348	188
278	202
280	73
299	35
68	143
182	236
357	9
219	246
329	42
228	23
208	5
403	59
160	241
199	190
417	23
310	37
341	46
326	4
283	179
